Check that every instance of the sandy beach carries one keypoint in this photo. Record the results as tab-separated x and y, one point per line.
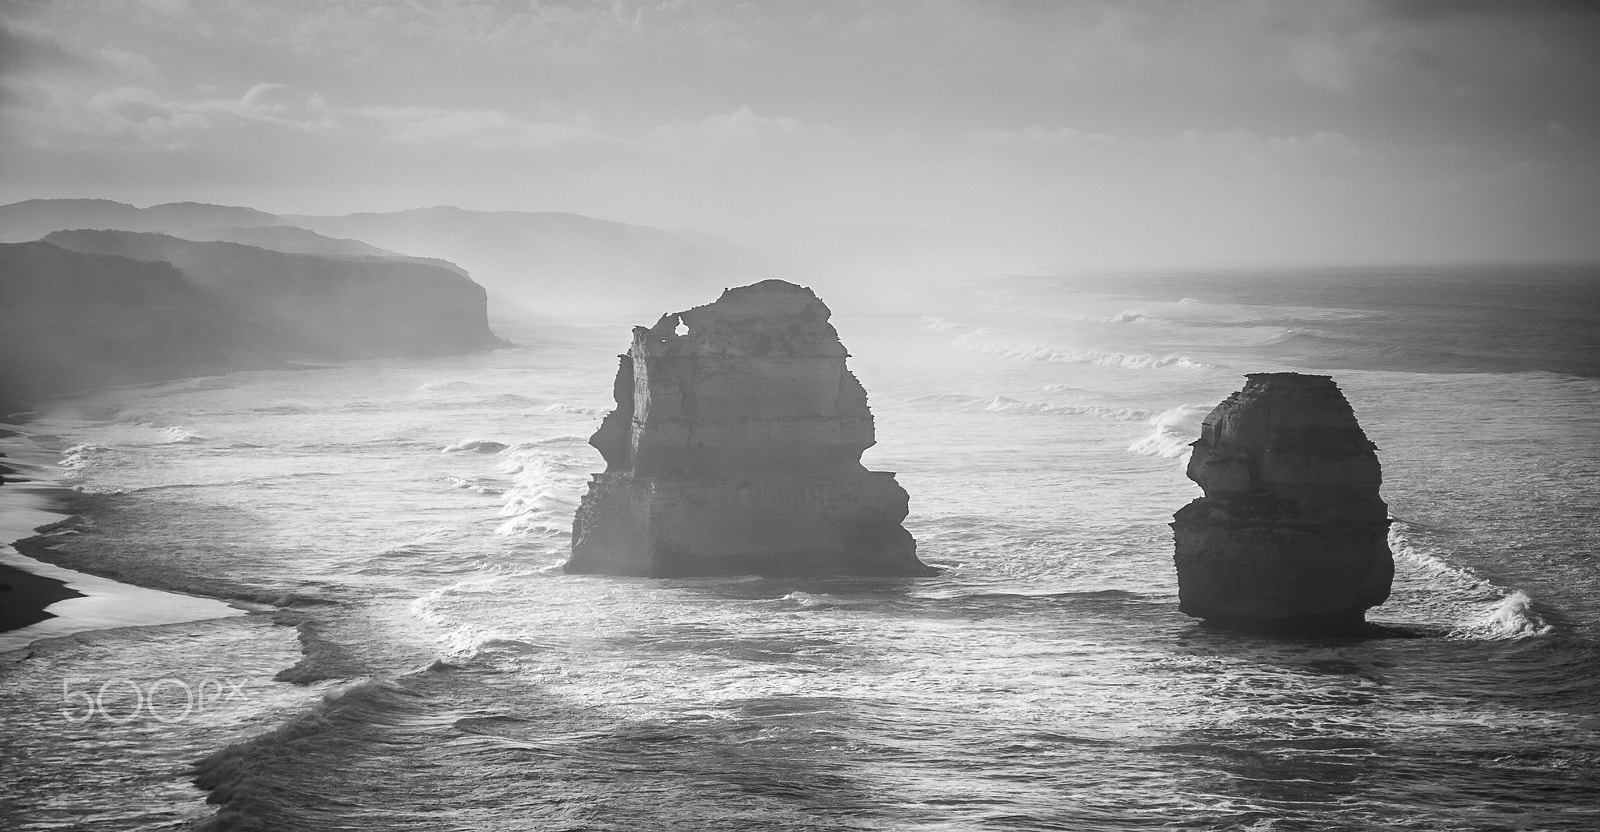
26	597
41	600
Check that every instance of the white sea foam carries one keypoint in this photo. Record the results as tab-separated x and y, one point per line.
540	501
1006	404
473	485
977	341
1173	430
1003	404
1483	609
175	435
582	410
1514	617
951	399
451	387
78	459
458	639
481	446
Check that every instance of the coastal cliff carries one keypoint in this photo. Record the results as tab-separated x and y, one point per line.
86	309
1291	534
735	448
313	306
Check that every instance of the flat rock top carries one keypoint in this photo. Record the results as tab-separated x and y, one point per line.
773	317
778	299
1288	412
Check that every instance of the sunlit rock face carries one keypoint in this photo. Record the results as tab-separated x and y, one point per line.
1291	535
735	448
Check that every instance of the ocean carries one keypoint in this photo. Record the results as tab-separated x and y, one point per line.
407	654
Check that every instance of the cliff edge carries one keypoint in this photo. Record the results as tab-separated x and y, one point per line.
735	448
1291	535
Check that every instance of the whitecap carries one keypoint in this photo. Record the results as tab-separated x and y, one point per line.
1174	430
481	446
540	500
974	342
175	435
582	410
1516	616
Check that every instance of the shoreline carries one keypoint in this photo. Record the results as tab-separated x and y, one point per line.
28	596
48	601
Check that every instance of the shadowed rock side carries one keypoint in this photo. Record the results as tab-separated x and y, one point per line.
735	448
86	309
1291	535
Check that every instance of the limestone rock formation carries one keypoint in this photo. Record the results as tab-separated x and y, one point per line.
735	448
1291	534
85	309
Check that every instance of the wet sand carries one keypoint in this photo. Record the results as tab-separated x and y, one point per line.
48	601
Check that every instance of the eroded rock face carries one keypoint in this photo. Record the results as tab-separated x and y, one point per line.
735	448
1291	534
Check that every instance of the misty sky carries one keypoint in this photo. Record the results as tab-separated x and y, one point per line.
1094	133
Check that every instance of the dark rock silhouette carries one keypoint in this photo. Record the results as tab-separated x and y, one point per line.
735	448
31	219
1291	535
308	306
87	309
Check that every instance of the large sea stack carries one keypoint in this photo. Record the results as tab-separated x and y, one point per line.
735	448
1291	535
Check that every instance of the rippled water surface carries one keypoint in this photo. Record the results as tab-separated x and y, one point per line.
414	658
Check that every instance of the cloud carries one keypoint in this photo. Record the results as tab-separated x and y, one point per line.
1037	137
744	130
279	104
1235	142
1323	143
476	128
132	112
27	48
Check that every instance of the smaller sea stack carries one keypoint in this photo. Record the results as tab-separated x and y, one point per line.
1291	536
735	449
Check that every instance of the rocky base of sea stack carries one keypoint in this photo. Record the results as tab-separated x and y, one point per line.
1280	577
1291	536
776	526
735	449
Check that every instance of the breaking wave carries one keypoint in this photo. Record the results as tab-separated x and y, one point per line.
1002	404
248	780
1006	404
459	641
175	435
481	446
974	342
1480	608
451	387
1516	616
1173	430
540	500
473	485
581	410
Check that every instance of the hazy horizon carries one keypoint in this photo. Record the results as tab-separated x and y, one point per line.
1107	135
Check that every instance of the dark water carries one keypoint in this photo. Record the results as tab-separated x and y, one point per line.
416	660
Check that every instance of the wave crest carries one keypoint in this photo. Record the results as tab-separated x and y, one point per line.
1516	616
1173	431
481	446
974	342
541	498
